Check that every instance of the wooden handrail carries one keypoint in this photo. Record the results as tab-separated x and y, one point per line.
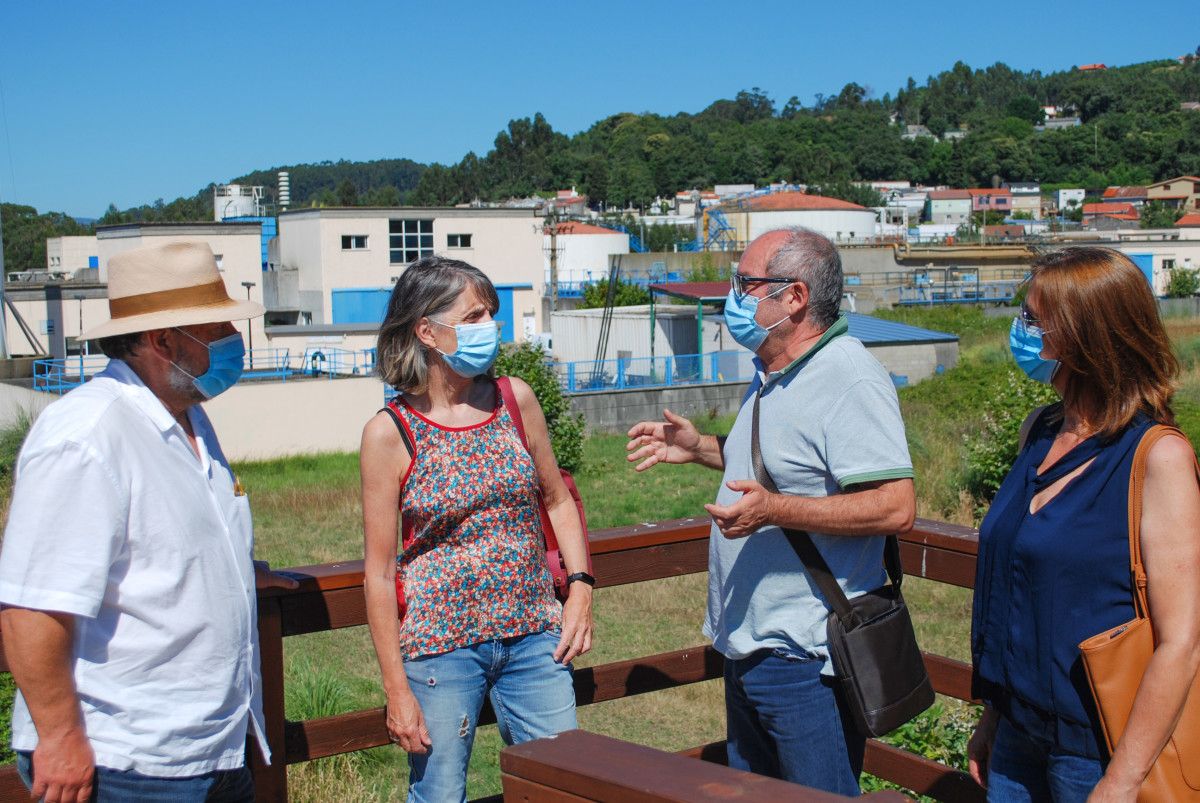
330	596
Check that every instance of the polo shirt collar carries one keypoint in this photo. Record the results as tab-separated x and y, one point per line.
141	396
840	327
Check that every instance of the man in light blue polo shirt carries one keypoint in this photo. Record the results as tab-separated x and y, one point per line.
833	441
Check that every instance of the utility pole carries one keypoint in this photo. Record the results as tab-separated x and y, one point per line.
553	218
249	326
3	298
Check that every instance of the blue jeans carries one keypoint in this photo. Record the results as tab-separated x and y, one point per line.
1023	768
784	719
532	696
117	786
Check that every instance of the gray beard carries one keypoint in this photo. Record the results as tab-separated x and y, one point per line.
181	384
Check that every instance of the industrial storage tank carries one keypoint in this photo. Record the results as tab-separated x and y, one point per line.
838	220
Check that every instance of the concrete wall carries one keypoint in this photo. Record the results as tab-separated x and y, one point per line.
260	420
911	363
70	253
618	410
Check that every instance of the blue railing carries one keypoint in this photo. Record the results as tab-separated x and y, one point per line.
60	376
654	372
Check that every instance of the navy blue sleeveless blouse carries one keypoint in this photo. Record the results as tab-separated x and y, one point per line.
1046	581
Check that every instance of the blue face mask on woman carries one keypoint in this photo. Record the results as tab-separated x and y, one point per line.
739	317
225	362
478	345
1025	343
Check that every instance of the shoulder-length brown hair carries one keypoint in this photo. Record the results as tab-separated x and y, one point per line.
427	287
1101	321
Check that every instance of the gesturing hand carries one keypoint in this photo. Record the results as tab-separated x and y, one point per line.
752	512
672	440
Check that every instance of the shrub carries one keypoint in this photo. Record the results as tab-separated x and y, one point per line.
528	361
627	294
1183	283
993	448
940	734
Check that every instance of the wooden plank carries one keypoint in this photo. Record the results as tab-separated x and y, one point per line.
934	563
920	774
519	790
949	677
360	730
11	787
316	612
270	783
604	769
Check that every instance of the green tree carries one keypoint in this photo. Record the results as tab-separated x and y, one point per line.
529	362
626	294
1157	215
25	233
1183	283
347	193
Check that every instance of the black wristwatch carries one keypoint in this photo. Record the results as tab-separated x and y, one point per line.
582	577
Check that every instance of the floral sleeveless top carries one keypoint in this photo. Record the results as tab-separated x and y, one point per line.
474	559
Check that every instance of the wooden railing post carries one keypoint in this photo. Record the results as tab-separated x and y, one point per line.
270	783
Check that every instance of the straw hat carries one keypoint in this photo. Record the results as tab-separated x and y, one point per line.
162	286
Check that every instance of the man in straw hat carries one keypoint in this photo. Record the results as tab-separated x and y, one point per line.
126	573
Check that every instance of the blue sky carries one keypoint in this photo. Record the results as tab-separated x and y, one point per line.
126	102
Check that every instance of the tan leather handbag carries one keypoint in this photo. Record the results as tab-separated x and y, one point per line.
1116	660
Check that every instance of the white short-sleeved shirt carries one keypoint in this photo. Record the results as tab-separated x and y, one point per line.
828	421
116	520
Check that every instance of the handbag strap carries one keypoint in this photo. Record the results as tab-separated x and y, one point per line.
514	410
807	551
404	434
1137	482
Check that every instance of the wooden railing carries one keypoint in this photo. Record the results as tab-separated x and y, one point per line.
331	596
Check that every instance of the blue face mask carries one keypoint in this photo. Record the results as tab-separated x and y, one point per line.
478	345
739	317
225	361
1025	342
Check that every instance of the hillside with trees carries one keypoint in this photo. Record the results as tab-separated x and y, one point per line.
1133	131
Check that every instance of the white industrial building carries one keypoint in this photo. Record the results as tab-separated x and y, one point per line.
69	254
336	266
837	219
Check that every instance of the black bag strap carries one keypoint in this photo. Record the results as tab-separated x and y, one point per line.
807	551
404	436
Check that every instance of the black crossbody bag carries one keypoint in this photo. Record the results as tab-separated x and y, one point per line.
871	640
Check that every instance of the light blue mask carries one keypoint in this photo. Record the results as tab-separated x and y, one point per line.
739	317
1025	343
478	345
225	361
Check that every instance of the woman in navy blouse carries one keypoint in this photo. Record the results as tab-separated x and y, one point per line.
1053	564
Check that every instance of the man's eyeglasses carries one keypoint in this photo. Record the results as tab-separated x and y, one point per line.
743	284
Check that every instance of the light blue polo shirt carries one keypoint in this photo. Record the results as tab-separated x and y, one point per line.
828	421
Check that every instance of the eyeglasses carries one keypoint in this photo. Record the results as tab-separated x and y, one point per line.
1027	316
743	284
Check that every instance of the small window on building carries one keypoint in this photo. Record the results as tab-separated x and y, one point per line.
354	242
1168	264
409	240
458	241
220	259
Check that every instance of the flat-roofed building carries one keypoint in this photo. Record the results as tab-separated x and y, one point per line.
340	263
68	254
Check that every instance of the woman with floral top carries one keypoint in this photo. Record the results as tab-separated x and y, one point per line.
467	609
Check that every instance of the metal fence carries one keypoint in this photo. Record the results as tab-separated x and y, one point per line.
654	372
60	376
